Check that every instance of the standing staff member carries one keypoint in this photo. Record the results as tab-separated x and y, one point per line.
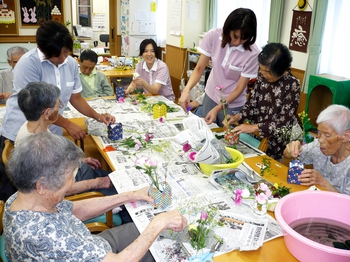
234	57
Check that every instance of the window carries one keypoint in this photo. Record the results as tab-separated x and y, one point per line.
334	57
261	9
84	13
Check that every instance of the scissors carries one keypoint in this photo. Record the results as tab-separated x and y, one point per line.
208	256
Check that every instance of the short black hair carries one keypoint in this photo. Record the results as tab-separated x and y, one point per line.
242	19
276	57
145	43
51	37
88	55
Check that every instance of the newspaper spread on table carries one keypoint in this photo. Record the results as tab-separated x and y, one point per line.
242	230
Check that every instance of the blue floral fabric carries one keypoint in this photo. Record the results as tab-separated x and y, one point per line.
38	236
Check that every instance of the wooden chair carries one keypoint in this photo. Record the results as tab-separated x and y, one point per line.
98	224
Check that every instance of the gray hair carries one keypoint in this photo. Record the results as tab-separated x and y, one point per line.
36	97
336	116
16	50
46	157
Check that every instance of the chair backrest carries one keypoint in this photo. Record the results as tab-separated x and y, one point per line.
7	151
104	38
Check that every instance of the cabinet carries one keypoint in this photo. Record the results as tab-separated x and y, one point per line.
192	59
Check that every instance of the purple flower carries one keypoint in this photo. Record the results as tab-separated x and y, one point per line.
188	108
147	138
134	102
192	156
161	119
186	147
204	215
238	196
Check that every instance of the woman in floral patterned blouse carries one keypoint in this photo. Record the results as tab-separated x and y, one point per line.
273	101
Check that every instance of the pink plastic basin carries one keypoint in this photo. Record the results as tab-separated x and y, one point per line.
317	204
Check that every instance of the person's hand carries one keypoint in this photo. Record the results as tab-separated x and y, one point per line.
139	81
103	182
106	118
309	177
94	163
75	131
228	121
5	95
245	128
142	194
184	101
211	116
171	220
293	149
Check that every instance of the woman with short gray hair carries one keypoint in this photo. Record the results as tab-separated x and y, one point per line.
329	153
39	225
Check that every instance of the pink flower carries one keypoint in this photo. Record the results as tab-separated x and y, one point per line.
147	138
137	146
121	100
220	87
192	156
153	162
186	147
238	196
161	119
263	187
134	102
204	215
142	161
261	198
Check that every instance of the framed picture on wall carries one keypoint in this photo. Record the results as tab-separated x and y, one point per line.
35	11
8	20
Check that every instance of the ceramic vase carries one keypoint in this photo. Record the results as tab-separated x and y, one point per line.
162	199
260	207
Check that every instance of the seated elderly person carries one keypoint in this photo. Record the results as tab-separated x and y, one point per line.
94	83
39	225
329	153
40	103
273	101
6	76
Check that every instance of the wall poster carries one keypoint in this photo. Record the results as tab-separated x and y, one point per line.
300	31
8	21
35	11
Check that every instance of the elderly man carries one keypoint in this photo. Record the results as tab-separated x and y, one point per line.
6	77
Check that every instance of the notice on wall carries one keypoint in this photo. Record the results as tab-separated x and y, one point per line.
98	22
175	17
192	10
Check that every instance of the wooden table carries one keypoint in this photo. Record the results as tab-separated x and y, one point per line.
273	250
117	73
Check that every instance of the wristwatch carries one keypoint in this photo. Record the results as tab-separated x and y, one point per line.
224	103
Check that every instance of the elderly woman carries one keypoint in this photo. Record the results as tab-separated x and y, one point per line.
329	153
39	225
273	101
40	103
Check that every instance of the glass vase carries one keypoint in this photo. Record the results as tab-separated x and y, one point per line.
260	207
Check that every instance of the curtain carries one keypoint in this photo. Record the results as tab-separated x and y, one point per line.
275	25
210	14
336	59
315	42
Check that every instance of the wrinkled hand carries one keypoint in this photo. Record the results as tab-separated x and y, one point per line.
211	116
294	149
103	182
309	177
228	121
75	131
244	128
171	220
106	118
94	163
142	194
184	101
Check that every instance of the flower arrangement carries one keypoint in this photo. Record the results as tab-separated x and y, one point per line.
137	143
202	228
147	106
160	190
186	148
229	136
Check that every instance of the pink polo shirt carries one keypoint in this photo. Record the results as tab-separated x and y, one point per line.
159	73
228	64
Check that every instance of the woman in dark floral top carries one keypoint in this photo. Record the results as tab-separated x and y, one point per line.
273	101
